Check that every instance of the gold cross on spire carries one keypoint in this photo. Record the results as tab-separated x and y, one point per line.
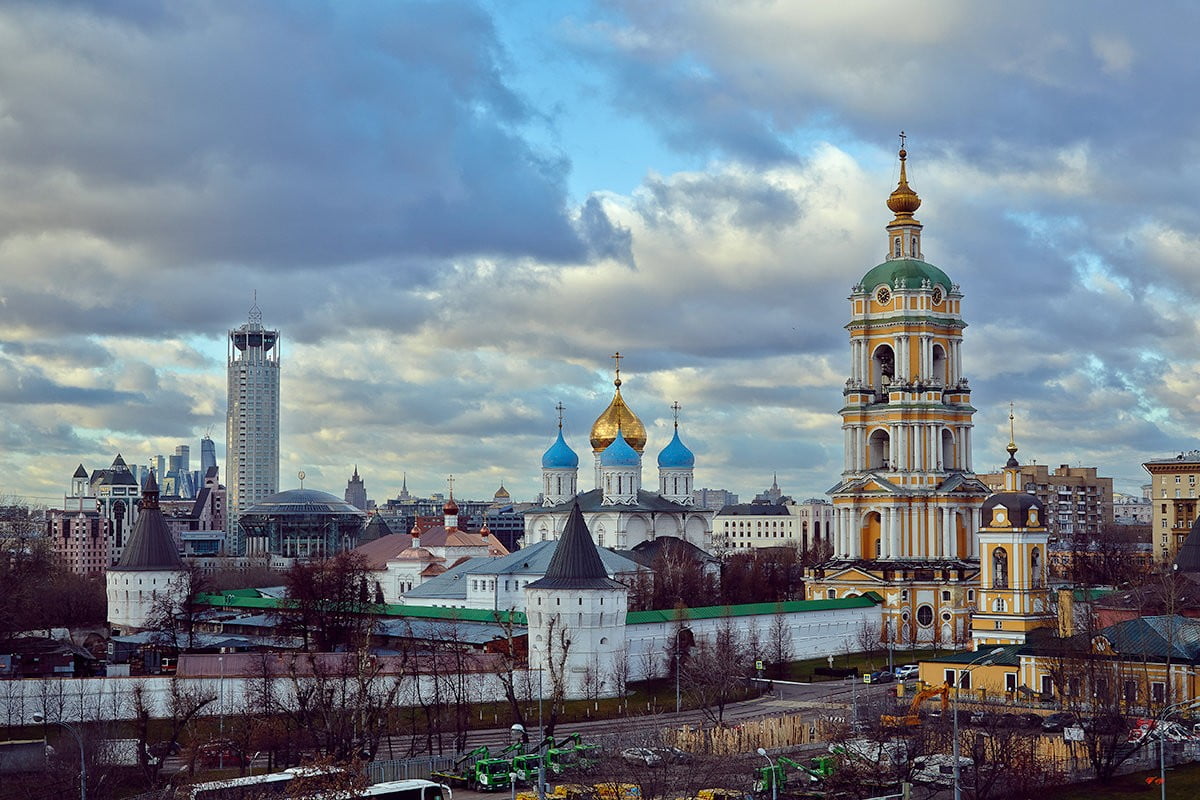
675	408
560	408
616	357
451	482
903	137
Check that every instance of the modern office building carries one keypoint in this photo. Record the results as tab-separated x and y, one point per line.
208	454
252	420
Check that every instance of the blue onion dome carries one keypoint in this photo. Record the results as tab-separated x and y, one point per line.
675	455
620	454
560	455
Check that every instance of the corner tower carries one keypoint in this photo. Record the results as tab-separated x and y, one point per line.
906	509
576	616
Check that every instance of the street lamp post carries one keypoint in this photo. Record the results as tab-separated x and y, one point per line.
762	751
677	677
978	662
221	703
1162	741
41	718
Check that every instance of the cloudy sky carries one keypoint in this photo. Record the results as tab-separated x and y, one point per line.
456	211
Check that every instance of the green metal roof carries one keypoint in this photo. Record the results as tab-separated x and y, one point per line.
1009	658
242	599
750	609
910	270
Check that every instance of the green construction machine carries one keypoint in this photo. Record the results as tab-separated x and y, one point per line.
525	764
478	770
571	754
774	779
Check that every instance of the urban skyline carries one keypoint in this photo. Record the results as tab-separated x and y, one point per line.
462	241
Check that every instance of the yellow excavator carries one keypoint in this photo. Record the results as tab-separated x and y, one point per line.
913	717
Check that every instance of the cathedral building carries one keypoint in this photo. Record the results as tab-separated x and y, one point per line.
907	507
619	512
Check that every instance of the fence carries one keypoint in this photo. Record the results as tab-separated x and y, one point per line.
771	733
404	769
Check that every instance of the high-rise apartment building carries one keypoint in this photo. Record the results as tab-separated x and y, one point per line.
1078	502
252	420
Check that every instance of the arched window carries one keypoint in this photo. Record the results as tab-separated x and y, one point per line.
1035	568
897	247
883	367
999	568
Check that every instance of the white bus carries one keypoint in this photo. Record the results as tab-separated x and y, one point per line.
256	787
414	789
251	787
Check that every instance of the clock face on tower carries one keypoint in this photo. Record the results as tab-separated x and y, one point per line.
937	295
883	295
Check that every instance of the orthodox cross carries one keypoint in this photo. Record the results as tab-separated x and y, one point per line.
675	408
560	408
902	139
616	357
451	482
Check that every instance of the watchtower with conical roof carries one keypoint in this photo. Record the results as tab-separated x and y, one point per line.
576	616
149	572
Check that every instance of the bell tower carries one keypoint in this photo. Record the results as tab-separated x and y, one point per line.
906	510
1013	598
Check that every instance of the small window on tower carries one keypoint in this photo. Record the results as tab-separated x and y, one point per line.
897	247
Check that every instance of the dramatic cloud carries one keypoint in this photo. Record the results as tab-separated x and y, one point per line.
456	211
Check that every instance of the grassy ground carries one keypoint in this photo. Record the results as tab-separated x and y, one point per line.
1183	783
864	662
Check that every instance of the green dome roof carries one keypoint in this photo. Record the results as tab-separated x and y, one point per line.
910	270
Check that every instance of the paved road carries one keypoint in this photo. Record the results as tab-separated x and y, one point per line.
784	699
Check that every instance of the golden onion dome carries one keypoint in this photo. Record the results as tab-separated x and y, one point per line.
618	417
903	201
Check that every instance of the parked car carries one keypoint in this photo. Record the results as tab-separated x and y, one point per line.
674	755
642	756
882	676
938	769
985	719
1056	722
1021	720
221	752
906	672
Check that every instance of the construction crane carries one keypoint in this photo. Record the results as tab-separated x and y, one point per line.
913	716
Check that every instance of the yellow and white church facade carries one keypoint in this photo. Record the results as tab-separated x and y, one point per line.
907	507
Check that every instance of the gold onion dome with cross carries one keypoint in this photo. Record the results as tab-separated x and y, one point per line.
618	417
903	201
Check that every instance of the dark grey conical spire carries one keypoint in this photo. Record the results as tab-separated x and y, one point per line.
576	562
151	545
